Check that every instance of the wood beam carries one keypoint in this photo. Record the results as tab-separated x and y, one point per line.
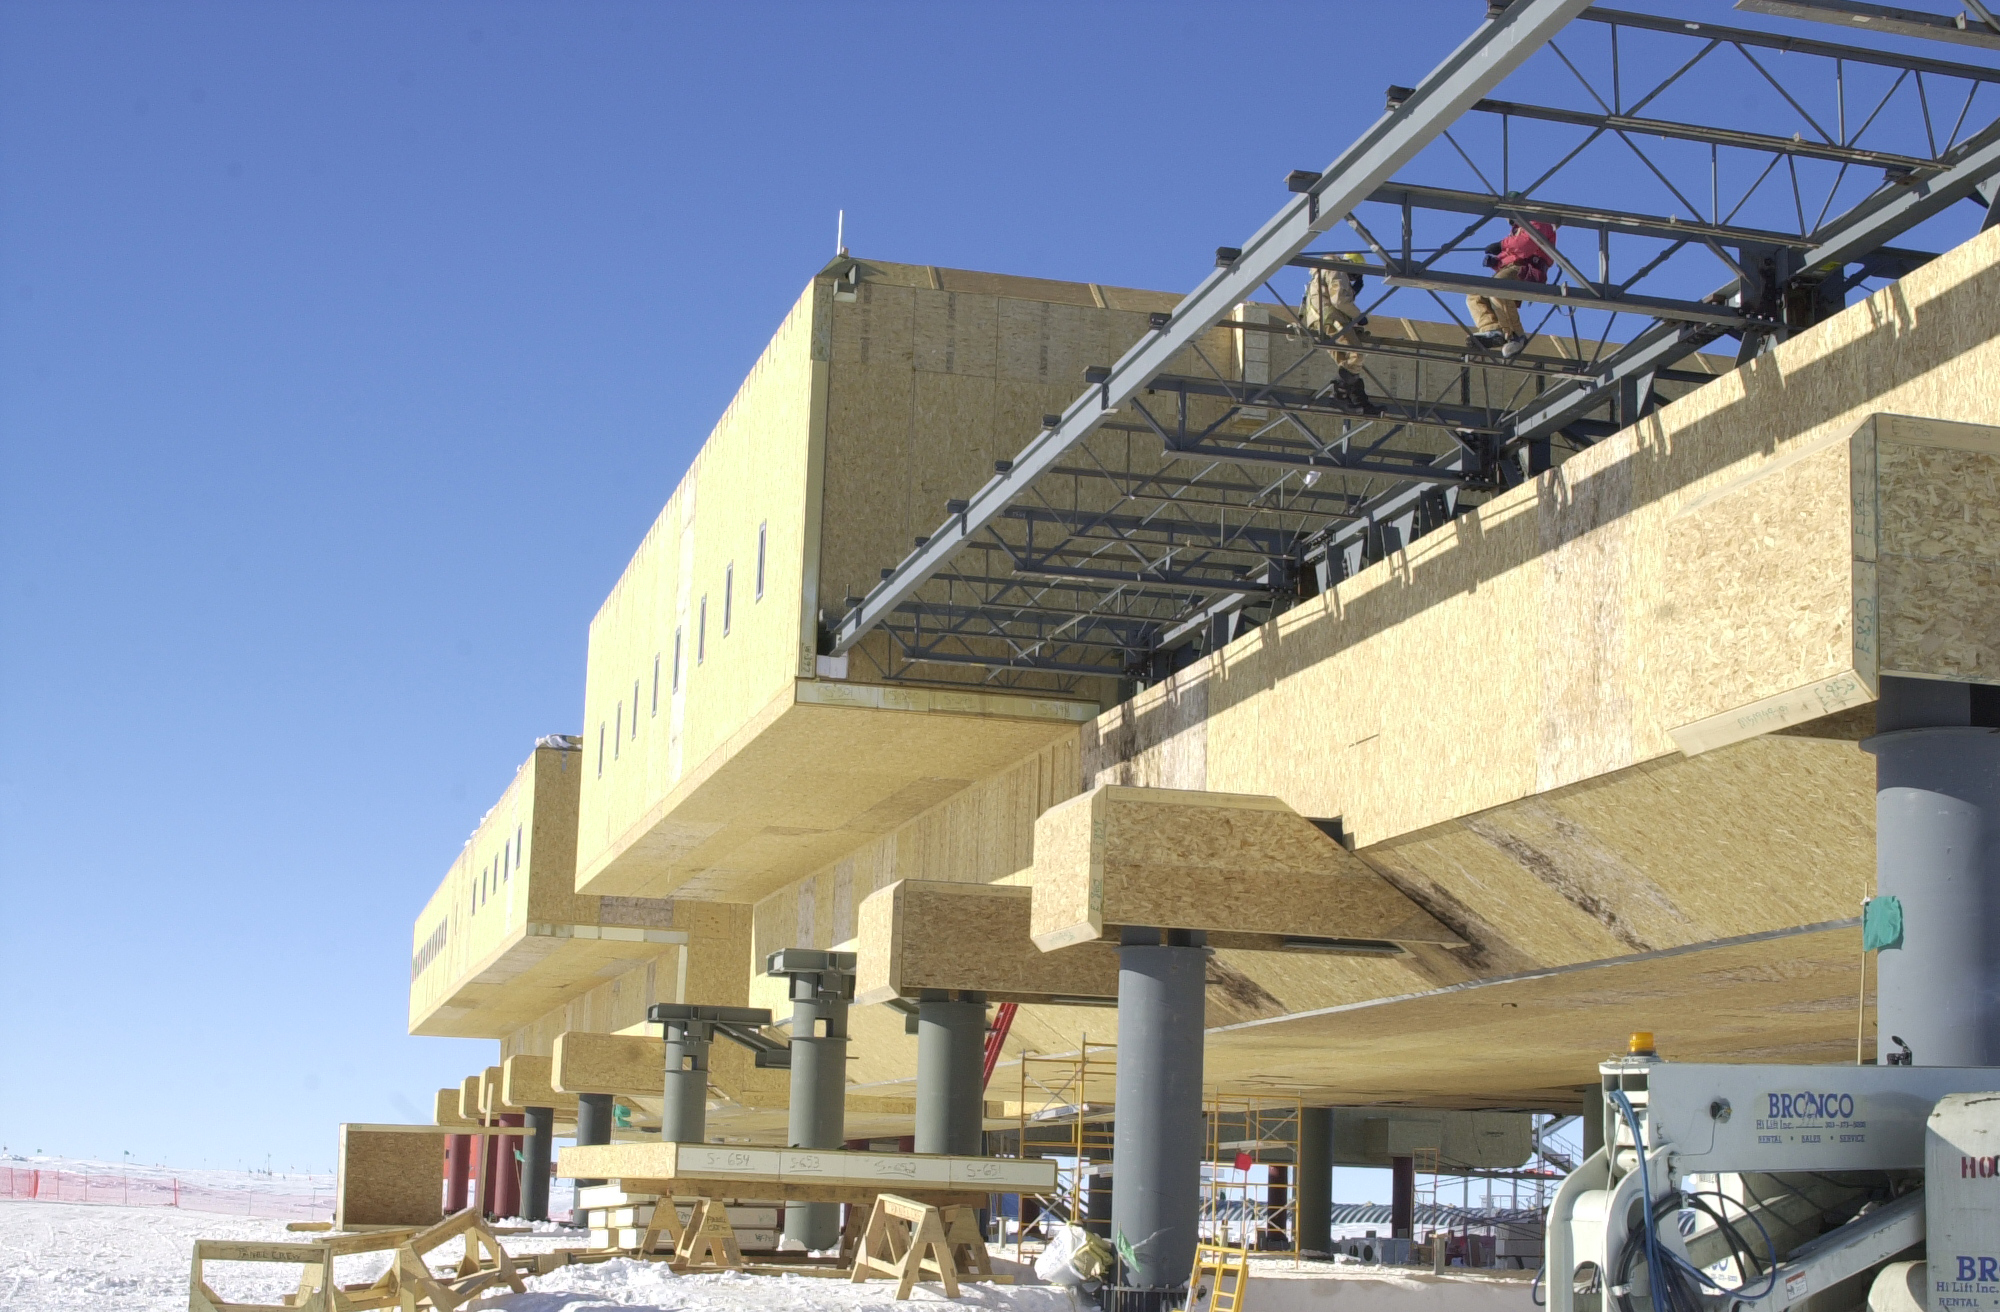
920	934
1248	870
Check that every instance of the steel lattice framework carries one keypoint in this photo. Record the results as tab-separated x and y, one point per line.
1177	500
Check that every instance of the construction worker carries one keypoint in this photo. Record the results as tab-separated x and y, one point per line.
1331	313
1518	258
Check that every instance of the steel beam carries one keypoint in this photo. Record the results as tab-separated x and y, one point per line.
1481	62
1593	296
1798	45
1895	209
1831	151
917	657
1305	401
1856	16
1246	537
1591	217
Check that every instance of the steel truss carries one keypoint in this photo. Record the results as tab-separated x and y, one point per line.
1176	502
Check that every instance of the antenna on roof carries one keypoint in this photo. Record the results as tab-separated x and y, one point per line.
840	234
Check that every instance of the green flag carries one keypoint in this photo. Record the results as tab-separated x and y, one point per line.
1882	924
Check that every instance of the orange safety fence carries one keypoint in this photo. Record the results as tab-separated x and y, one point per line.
41	1184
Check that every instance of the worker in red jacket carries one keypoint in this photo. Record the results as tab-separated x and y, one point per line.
1519	258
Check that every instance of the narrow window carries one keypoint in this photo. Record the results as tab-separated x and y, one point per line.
760	562
677	660
701	632
517	847
635	708
656	683
600	749
618	727
728	595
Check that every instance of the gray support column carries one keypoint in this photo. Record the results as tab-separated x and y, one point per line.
951	1073
684	1115
1937	851
1593	1119
1315	1180
536	1151
822	985
690	1031
1157	1140
593	1124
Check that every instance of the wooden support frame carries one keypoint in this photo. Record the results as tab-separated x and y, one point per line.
408	1283
904	1240
708	1243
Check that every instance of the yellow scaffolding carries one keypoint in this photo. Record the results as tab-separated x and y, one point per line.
1065	1113
1245	1133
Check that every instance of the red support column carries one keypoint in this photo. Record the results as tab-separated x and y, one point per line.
507	1192
458	1171
1403	1197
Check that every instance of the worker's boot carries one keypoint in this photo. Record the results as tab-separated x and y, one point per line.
1351	390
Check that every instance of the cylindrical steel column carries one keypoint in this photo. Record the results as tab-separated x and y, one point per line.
1315	1180
458	1172
507	1193
1593	1119
540	1147
951	1074
684	1118
1402	1197
822	985
593	1124
1937	852
1157	1139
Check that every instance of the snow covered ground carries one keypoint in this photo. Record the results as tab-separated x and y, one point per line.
67	1257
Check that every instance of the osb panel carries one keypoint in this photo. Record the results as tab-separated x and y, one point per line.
527	1081
1725	582
1533	1042
1157	739
921	934
609	1063
1939	542
979	834
389	1178
1186	860
486	975
819	777
1766	834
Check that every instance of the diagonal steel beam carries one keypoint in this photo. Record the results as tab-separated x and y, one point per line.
1481	62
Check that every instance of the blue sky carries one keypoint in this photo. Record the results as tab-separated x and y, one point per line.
346	352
